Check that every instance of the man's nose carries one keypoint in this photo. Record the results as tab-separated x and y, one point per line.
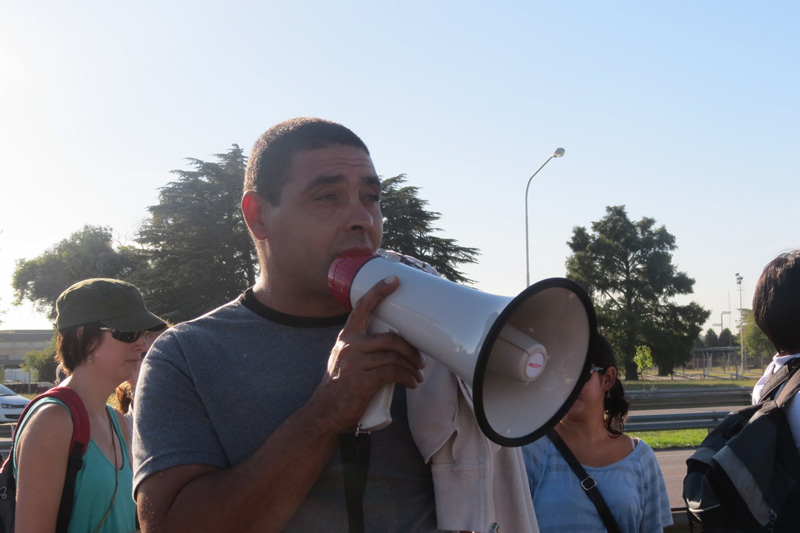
360	218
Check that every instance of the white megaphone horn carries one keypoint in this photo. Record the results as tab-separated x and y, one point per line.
525	358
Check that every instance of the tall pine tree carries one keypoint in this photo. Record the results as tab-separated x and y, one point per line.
408	228
198	250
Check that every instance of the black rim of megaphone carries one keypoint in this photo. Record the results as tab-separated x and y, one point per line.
486	350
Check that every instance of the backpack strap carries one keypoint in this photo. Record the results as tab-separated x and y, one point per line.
77	447
355	450
792	386
779	378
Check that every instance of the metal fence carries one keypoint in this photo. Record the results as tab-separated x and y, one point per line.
711	398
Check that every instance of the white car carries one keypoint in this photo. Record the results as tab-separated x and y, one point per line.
11	405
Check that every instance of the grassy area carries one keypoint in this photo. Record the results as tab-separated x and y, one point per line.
660	440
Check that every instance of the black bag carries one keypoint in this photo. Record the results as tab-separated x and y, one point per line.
80	440
745	476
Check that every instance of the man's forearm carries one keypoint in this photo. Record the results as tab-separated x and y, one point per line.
260	494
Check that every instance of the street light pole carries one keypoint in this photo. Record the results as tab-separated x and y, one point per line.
742	350
558	153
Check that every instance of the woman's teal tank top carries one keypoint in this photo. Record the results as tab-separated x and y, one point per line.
94	486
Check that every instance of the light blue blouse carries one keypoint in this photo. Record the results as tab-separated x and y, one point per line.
633	489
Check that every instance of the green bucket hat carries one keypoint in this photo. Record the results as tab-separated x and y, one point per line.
115	304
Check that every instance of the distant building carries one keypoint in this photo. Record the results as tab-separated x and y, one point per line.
15	343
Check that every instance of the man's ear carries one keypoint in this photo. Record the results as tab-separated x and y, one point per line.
253	207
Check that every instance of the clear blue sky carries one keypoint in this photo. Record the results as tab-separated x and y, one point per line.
683	111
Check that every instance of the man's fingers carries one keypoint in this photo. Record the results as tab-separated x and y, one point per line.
357	322
399	374
387	342
378	360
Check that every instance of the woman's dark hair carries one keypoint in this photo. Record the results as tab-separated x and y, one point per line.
75	343
615	405
776	302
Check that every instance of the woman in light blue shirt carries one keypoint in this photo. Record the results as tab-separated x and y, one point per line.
625	469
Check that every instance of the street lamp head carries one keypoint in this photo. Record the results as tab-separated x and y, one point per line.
559	152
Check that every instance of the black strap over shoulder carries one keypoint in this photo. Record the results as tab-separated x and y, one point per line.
355	449
793	383
587	482
779	378
74	465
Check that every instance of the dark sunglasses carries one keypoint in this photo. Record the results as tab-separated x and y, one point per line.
123	336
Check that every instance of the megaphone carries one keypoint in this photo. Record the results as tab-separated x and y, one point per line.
525	358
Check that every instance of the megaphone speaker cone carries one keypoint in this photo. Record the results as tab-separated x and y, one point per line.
558	314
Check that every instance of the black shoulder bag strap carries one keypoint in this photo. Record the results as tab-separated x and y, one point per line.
587	482
74	465
792	387
355	449
779	378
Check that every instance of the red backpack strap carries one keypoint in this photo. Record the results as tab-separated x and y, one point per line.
77	447
80	418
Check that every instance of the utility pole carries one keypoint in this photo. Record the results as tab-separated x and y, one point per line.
742	349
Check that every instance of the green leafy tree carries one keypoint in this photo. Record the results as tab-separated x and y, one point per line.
42	362
196	246
408	228
88	253
627	268
643	358
712	339
755	341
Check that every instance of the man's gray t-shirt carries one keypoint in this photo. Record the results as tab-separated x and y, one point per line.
212	390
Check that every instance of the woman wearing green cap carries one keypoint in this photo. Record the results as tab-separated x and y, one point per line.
101	325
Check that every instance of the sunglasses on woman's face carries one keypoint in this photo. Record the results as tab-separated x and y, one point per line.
124	336
594	369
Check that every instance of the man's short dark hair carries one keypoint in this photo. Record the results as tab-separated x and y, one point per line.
776	303
268	166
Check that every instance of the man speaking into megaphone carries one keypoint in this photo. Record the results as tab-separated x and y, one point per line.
246	416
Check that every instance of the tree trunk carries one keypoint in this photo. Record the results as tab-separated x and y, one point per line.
631	371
